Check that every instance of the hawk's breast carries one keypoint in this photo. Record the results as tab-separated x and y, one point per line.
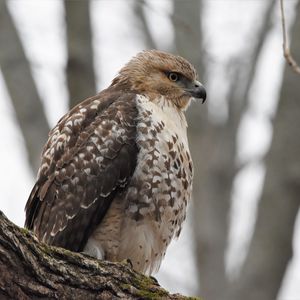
161	186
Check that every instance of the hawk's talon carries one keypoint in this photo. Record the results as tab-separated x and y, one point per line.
154	279
129	262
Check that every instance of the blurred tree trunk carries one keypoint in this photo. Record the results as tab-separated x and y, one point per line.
80	66
271	246
188	35
22	89
213	146
209	213
139	12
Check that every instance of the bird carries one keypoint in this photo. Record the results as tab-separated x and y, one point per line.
116	173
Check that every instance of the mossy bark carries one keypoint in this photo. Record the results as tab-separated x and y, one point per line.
33	270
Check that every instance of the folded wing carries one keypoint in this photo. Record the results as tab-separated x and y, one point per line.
90	156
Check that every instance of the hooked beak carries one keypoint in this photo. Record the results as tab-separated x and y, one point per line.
197	90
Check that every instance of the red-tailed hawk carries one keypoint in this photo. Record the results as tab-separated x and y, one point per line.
116	173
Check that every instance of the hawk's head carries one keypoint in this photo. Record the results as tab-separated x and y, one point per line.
156	73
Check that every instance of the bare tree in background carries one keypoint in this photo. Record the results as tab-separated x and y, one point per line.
213	162
80	65
271	247
21	87
140	13
213	145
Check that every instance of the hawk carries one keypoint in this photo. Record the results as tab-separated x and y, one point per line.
116	172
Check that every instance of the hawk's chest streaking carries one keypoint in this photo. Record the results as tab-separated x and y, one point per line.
150	212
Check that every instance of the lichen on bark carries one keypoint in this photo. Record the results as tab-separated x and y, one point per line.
33	270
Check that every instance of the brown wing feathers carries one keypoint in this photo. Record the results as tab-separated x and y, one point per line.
89	157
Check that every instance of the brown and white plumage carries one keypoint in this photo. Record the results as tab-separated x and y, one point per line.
116	172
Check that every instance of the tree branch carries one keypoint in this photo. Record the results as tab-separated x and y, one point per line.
31	270
286	50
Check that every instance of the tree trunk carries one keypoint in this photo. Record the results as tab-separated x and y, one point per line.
80	68
139	12
33	270
22	89
213	147
212	163
271	246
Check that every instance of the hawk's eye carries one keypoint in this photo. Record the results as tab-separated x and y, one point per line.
173	76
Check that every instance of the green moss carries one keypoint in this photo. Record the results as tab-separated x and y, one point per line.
25	231
126	286
47	249
147	288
